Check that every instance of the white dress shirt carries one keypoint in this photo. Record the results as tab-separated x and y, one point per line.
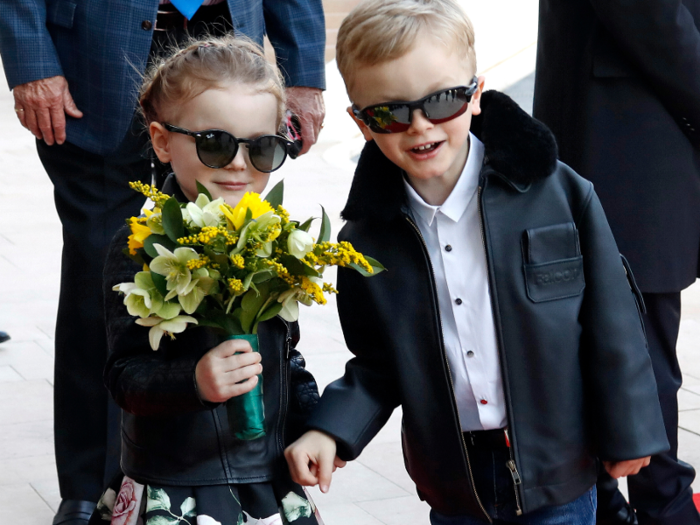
452	233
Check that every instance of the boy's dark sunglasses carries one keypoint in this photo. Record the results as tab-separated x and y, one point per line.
438	107
216	148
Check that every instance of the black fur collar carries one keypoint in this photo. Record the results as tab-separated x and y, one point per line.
518	147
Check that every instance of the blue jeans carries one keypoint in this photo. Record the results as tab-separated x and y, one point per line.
494	486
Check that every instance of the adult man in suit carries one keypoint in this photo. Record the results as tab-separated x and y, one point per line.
618	82
74	69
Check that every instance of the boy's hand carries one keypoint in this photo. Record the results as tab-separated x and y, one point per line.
618	469
312	459
227	370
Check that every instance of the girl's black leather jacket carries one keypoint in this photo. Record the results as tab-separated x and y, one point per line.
169	435
576	372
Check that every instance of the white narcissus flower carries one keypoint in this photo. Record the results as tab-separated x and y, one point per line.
160	326
142	298
173	266
204	212
300	243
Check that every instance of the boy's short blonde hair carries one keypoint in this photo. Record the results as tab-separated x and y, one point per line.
377	31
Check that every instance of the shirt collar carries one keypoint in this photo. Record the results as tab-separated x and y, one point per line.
456	203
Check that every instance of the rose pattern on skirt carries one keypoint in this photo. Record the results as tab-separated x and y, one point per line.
127	506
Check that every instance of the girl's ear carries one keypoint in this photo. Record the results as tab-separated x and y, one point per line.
363	127
160	141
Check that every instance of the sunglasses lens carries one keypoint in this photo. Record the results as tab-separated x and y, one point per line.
387	119
446	105
268	153
217	148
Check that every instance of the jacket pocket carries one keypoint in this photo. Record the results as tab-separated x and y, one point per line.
553	265
61	13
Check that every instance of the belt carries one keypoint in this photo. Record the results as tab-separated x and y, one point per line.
491	439
169	18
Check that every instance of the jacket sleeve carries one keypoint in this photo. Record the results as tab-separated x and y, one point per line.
297	31
143	381
623	399
355	407
662	39
27	51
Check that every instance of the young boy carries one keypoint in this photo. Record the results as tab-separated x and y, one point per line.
505	325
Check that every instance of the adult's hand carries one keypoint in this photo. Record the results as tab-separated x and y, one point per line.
42	106
307	104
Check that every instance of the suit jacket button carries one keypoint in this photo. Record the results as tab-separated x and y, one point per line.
146	25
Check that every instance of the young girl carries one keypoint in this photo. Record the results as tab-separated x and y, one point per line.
213	111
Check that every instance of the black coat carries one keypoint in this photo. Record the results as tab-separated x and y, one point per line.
169	435
576	373
618	82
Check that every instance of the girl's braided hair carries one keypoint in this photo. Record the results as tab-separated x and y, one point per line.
199	65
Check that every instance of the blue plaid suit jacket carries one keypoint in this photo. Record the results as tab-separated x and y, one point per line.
101	49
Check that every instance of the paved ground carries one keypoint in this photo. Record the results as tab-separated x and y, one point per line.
373	490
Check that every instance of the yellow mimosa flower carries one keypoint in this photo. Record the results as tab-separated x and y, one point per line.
139	232
250	201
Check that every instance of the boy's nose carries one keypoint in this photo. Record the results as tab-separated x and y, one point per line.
419	122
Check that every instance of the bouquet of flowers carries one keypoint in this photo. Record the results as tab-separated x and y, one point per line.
229	268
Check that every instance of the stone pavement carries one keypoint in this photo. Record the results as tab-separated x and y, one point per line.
373	490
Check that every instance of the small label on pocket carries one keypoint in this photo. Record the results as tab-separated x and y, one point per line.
554	280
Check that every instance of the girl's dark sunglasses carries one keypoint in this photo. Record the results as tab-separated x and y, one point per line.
217	148
438	107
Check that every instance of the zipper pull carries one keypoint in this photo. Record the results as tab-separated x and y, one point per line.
516	481
505	431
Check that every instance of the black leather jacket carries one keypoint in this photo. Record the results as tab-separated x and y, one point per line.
169	435
577	376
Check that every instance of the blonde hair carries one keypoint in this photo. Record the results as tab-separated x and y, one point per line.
199	65
377	31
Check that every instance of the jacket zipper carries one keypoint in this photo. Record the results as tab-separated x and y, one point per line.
449	370
283	391
510	464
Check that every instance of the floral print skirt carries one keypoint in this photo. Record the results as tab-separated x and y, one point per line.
126	502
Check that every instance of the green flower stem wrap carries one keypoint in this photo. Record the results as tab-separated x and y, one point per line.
246	413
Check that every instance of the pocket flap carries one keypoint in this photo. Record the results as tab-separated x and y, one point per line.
61	13
551	243
554	280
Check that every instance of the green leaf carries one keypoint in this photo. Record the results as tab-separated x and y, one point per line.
160	283
164	241
325	234
297	267
240	519
188	506
276	195
375	264
172	220
157	500
202	189
228	322
262	276
270	312
251	304
162	520
306	225
360	270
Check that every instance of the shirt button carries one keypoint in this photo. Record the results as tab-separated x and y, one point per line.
484	402
146	25
470	353
458	300
448	248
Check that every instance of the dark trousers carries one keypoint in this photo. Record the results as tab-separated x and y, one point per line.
93	200
660	493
